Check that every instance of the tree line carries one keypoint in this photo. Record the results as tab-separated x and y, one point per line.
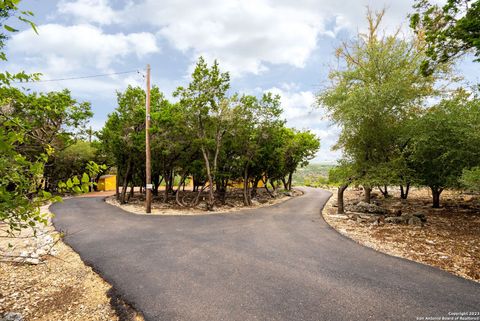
404	122
209	135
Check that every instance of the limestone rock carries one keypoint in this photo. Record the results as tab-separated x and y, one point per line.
414	221
12	316
396	220
364	207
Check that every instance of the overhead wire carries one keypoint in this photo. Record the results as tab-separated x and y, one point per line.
80	77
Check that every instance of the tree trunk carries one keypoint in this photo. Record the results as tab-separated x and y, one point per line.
125	182
436	196
246	193
253	192
177	193
290	175
172	180
404	192
132	191
265	184
384	191
340	203
221	189
117	186
211	197
272	183
155	181
285	184
368	191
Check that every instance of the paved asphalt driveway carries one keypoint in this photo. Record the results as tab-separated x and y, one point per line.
278	263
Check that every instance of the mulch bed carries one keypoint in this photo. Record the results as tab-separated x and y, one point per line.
450	239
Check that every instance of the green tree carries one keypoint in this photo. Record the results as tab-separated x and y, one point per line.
377	88
450	30
298	151
471	179
446	142
20	197
208	109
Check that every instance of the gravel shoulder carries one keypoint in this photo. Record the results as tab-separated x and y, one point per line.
449	239
42	278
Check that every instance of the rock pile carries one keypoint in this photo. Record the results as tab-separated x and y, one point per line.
364	207
363	212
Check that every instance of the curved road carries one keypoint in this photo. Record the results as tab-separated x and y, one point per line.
277	263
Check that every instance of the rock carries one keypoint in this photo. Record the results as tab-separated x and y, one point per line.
263	201
12	316
468	198
421	216
26	257
288	193
414	221
396	212
354	217
396	220
364	207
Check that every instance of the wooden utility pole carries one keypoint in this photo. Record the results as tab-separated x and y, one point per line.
148	189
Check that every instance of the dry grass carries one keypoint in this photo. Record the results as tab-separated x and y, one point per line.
449	240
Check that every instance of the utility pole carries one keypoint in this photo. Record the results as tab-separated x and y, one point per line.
148	190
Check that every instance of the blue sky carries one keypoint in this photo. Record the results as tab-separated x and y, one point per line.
283	46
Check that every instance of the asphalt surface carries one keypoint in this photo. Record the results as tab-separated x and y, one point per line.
277	263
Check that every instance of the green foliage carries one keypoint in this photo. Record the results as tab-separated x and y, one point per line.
214	137
9	9
375	92
314	175
85	183
447	141
471	179
450	30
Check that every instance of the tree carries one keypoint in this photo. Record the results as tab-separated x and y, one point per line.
342	175
471	179
51	120
375	91
446	142
20	197
209	110
299	149
450	30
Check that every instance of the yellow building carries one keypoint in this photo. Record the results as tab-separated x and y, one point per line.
239	184
107	183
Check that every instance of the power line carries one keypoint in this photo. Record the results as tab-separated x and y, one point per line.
81	77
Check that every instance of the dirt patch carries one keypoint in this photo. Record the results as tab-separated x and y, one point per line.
234	202
450	238
58	286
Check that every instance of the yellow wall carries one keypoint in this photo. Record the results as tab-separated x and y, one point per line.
239	184
107	183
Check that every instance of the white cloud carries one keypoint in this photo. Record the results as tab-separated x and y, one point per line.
301	113
92	11
60	49
245	36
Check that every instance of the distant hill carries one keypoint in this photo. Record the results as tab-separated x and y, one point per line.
312	175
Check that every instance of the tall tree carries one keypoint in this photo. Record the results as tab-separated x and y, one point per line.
446	142
376	89
450	31
209	111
